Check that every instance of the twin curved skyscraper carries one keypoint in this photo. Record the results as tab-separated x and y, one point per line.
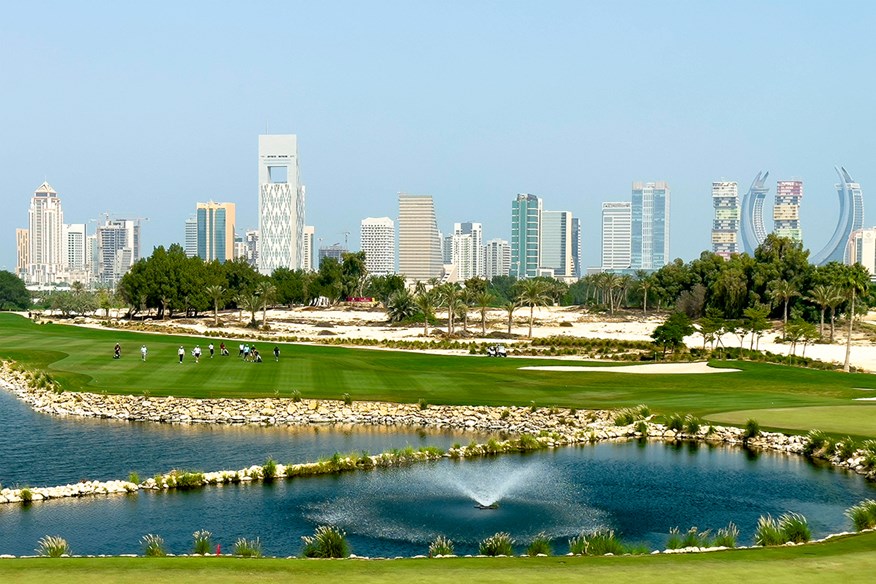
851	217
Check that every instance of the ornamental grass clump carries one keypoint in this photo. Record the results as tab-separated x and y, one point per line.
863	515
326	542
691	424
248	548
540	545
269	469
440	546
675	423
795	528
816	444
203	542
845	448
599	543
347	399
768	532
499	544
751	430
52	546
26	495
727	536
153	546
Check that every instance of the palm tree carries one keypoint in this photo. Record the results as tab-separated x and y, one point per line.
855	280
644	284
216	293
834	303
782	290
510	307
450	296
425	301
483	300
400	305
252	303
822	295
532	293
268	293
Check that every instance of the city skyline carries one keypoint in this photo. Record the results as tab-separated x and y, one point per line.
574	142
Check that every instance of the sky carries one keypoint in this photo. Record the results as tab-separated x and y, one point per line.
145	109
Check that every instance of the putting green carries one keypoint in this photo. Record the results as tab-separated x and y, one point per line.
858	419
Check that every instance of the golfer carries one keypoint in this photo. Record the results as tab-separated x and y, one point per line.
182	353
143	352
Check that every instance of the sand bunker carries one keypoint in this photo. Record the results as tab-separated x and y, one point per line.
648	369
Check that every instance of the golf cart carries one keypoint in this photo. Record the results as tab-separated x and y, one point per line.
496	351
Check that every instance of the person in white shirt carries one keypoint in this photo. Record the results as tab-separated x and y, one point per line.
143	352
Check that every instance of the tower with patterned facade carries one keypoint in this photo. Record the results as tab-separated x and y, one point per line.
281	204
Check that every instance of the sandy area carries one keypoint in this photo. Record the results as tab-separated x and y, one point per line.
367	323
647	369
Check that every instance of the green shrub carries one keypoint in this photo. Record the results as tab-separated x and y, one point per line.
52	546
541	544
423	403
675	423
642	427
499	544
347	399
203	542
863	515
153	546
248	548
133	477
269	469
815	443
26	495
578	545
604	541
440	546
326	542
185	479
727	536
532	407
674	541
795	528
691	424
751	430
845	448
869	453
696	538
768	532
296	395
528	442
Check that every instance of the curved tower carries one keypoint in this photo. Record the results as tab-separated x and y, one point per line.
753	230
851	201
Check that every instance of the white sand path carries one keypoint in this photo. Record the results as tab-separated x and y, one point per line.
647	369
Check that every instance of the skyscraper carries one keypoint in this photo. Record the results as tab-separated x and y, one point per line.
216	231
191	246
753	231
556	242
862	249
460	250
616	241
419	244
281	204
476	231
75	258
22	249
497	258
725	227
786	211
649	230
526	213
577	272
334	251
251	243
851	219
118	248
377	240
309	232
45	236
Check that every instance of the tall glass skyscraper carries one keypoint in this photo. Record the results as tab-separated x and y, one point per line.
725	227
215	235
753	231
649	239
525	236
851	219
616	217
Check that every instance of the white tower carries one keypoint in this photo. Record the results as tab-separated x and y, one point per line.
377	237
281	204
46	235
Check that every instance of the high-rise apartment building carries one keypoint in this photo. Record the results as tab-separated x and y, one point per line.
215	231
649	234
334	251
309	233
526	213
786	211
862	249
851	219
75	258
556	243
251	243
22	252
281	204
497	258
725	226
45	236
118	248
752	229
476	231
616	240
377	240
577	271
419	244
460	250
191	245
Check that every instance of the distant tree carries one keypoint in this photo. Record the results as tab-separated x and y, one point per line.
509	307
426	301
756	322
671	334
782	291
644	282
483	300
532	293
855	282
267	292
502	287
692	302
217	295
382	287
400	306
823	295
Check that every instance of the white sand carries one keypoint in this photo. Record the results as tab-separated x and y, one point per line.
646	369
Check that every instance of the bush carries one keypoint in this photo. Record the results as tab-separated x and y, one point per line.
248	548
347	399
423	403
541	544
326	542
269	469
296	395
604	541
642	427
185	479
751	430
674	541
26	495
133	477
846	448
795	528
768	532
675	423
578	545
440	546
816	444
863	515
727	536
203	542
500	544
691	424
53	546
153	546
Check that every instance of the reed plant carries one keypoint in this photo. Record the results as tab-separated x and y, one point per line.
133	477
863	515
296	395
327	541
578	545
52	546
816	443
845	448
604	541
540	545
269	469
795	528
248	548
675	423
203	542
441	546
424	405
751	430
768	532
727	536
499	544
153	546
692	424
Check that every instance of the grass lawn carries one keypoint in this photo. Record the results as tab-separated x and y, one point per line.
856	419
80	359
846	559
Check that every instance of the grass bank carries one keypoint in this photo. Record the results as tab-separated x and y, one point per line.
844	559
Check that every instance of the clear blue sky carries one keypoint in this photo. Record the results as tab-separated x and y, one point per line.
145	109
